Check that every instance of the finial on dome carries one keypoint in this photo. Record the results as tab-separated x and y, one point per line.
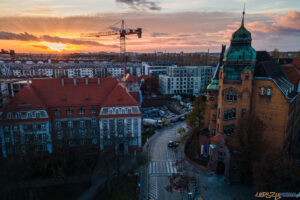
243	15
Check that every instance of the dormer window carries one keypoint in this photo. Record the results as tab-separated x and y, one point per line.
38	115
69	111
262	91
93	110
269	92
57	111
81	111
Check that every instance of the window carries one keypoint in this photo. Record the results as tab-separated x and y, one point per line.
233	113
70	124
129	111
269	91
94	122
58	125
243	113
81	111
38	115
213	132
69	111
93	110
262	91
230	114
247	76
105	111
16	128
234	96
225	115
231	95
57	111
211	98
228	129
43	126
218	113
81	124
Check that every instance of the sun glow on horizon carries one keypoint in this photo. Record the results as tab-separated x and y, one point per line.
59	47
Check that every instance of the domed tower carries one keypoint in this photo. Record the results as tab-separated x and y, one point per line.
240	54
235	81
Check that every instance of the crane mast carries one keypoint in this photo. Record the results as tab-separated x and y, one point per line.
122	33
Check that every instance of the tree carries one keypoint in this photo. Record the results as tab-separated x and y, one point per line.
195	118
250	132
276	54
276	172
297	55
181	131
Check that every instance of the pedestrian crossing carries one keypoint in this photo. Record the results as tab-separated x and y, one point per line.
153	189
162	167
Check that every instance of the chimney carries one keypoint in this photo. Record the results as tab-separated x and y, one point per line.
74	81
98	81
86	80
62	81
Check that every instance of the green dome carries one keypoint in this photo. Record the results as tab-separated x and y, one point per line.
240	53
242	35
214	85
240	48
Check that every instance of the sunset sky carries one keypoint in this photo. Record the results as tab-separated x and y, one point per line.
44	26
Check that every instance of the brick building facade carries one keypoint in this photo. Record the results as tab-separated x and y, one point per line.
86	113
246	83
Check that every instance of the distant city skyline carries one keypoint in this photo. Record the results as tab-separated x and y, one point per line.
44	26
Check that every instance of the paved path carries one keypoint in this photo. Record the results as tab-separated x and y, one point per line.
209	185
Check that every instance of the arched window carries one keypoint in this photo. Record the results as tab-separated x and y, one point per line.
269	92
262	91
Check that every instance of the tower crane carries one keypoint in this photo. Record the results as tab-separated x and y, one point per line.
122	32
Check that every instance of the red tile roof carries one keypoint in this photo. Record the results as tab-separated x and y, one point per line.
51	94
119	97
135	95
293	72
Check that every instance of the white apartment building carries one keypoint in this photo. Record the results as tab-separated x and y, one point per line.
185	80
155	68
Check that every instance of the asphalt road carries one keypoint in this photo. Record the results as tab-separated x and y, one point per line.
209	185
162	162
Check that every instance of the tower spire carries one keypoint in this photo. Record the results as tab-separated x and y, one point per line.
243	15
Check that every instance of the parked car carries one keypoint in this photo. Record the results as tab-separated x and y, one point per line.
173	144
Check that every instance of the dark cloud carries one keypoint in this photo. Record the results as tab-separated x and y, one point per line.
29	37
141	4
156	34
21	36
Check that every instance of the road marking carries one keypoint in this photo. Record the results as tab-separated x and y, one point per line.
162	167
153	190
168	169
